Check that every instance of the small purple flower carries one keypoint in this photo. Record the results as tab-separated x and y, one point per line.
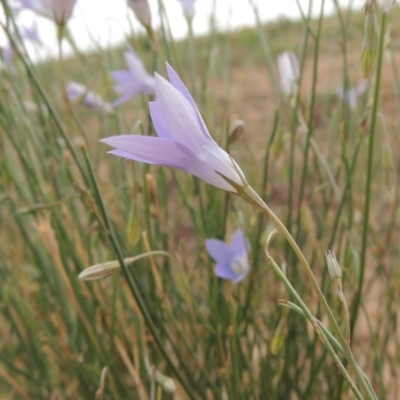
31	33
77	91
57	10
232	260
141	9
133	81
289	72
188	8
183	142
352	95
8	55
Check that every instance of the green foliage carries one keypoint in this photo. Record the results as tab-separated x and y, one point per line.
306	156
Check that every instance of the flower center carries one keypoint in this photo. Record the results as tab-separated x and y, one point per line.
239	264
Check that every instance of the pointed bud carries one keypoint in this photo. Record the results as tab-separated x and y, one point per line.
278	339
236	130
369	49
141	9
99	271
103	270
167	383
333	265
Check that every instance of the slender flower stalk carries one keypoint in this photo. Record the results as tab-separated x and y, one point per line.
103	270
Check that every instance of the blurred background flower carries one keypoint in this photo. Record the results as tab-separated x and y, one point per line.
232	259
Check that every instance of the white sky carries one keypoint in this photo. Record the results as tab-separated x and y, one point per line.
108	20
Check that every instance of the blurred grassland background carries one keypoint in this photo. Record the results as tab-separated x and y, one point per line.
227	341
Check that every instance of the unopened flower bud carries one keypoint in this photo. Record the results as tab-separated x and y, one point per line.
369	49
167	383
142	12
333	265
236	130
278	339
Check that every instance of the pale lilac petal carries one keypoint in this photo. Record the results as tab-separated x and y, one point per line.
158	120
179	85
224	271
289	72
361	88
134	81
219	250
239	242
180	119
149	149
76	91
188	8
141	9
58	10
240	277
232	260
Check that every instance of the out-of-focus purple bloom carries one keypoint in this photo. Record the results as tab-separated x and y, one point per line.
141	9
352	95
388	4
31	33
133	81
289	72
77	91
57	10
188	8
183	142
8	54
232	260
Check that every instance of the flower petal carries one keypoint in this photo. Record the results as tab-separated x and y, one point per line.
148	149
238	243
180	118
219	251
240	277
179	85
224	271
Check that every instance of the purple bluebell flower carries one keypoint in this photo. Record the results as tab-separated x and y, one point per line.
183	142
77	91
188	8
232	259
132	81
141	9
8	55
57	10
289	72
352	95
31	33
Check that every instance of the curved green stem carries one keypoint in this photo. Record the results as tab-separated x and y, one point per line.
252	197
